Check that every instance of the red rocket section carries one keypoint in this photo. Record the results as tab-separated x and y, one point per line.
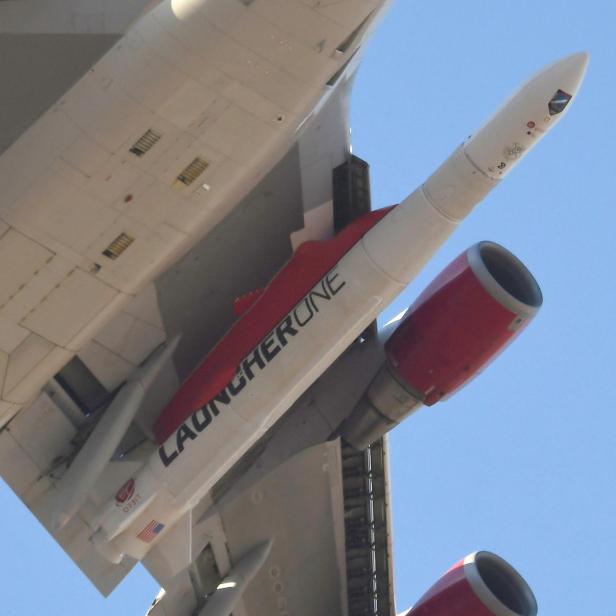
453	330
309	264
245	302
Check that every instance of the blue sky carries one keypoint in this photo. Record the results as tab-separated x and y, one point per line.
522	461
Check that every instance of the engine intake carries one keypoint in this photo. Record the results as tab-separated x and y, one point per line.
482	584
462	321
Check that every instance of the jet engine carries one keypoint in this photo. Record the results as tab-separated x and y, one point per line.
469	313
482	584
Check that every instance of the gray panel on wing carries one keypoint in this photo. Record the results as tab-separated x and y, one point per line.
323	146
241	254
246	250
36	70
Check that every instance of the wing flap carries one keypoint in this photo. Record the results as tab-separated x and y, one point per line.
300	507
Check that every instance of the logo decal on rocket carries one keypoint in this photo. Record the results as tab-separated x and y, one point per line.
126	491
126	499
558	102
256	361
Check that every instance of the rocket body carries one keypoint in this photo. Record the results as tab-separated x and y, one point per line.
359	277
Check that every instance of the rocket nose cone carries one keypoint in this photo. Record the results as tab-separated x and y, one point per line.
567	74
578	60
580	57
574	66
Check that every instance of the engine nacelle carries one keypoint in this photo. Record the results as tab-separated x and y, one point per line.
466	317
482	584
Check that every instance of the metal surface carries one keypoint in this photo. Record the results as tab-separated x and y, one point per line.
216	88
352	196
229	592
90	462
386	402
299	506
367	529
197	294
37	69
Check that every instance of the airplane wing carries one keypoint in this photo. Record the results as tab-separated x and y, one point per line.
198	299
327	512
173	123
321	491
190	372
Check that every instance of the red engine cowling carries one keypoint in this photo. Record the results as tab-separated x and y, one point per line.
483	584
471	311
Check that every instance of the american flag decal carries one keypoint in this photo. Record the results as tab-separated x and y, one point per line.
149	533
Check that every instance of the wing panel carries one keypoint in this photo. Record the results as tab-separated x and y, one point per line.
74	187
301	502
241	254
299	506
37	69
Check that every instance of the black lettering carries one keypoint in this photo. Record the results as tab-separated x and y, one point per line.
304	312
324	295
183	434
223	397
165	458
201	424
269	348
285	329
309	318
330	279
241	383
249	362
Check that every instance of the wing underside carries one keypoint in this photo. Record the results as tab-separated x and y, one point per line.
324	508
326	511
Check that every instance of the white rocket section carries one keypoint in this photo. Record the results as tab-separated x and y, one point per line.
429	215
306	355
525	118
87	467
363	282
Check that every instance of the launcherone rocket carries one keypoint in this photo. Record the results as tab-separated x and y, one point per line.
321	301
